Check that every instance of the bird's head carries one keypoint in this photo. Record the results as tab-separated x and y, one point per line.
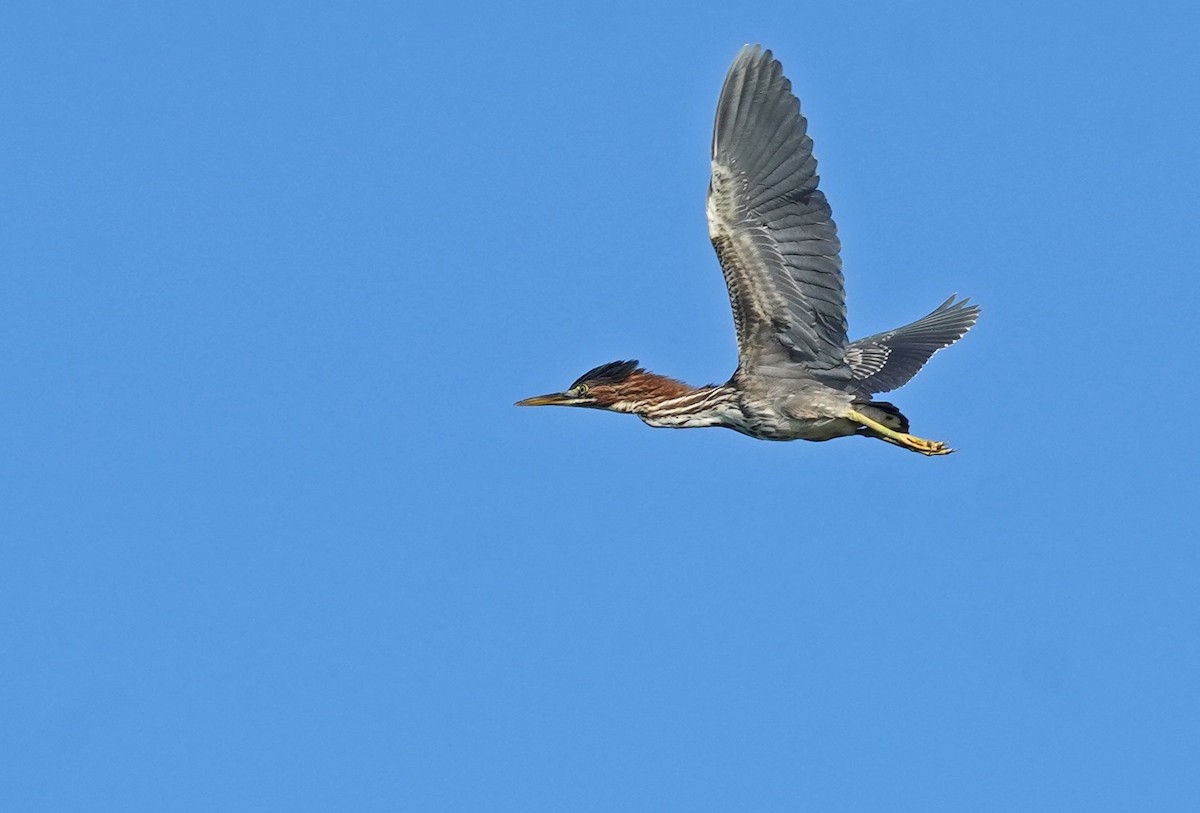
619	386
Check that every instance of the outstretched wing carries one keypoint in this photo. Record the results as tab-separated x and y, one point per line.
885	361
773	230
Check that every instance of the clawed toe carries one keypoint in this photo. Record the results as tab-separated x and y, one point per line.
931	447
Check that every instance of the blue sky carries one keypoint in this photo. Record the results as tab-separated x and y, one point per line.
274	538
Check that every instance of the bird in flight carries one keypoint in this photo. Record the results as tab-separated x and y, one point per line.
798	377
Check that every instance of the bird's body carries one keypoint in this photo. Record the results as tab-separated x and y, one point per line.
800	410
798	377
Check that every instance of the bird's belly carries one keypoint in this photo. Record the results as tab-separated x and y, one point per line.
782	427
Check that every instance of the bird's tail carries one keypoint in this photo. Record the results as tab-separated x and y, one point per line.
882	412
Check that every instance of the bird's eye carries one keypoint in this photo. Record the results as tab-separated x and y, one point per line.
581	389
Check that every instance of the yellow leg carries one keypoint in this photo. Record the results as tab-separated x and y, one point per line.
911	442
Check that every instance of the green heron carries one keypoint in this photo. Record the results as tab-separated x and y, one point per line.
798	377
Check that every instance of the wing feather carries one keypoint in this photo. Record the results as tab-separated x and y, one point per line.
773	230
885	361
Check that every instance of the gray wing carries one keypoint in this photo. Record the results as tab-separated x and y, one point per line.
885	361
773	230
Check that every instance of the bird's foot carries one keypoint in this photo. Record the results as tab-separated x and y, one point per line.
916	444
